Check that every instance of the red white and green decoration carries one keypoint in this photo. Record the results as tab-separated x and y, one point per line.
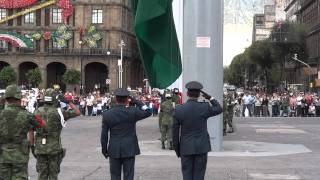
16	40
91	37
14	4
60	36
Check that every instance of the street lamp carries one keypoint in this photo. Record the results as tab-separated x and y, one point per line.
295	57
81	59
120	62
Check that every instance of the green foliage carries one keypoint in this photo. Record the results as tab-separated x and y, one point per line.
264	61
7	76
234	74
71	77
34	77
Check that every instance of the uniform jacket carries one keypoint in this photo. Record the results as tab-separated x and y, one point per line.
120	121
52	131
15	123
167	110
189	130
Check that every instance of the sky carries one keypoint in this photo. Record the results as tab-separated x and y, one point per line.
238	20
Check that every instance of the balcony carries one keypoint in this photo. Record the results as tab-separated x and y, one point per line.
87	52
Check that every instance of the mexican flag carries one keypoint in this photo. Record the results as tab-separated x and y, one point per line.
157	41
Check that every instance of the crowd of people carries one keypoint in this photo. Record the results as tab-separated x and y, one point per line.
93	103
284	104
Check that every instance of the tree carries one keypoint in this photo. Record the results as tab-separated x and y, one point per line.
235	74
71	77
34	77
7	76
259	53
287	39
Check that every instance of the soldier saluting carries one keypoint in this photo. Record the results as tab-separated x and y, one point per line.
48	148
14	126
190	136
120	122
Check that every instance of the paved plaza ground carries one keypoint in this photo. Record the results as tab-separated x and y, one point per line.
260	149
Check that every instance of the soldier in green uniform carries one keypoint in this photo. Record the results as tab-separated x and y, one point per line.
48	148
285	105
167	109
14	145
175	96
227	113
2	101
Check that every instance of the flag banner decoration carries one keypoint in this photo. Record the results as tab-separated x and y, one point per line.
67	9
92	36
27	10
14	4
157	41
16	40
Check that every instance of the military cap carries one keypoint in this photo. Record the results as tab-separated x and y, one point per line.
122	92
50	96
13	91
194	85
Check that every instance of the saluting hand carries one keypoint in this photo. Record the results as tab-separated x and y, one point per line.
205	95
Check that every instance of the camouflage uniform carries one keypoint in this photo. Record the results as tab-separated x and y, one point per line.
2	102
285	105
48	148
227	113
176	99
167	108
14	146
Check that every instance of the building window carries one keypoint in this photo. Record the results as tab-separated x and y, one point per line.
3	45
97	16
3	13
56	15
29	18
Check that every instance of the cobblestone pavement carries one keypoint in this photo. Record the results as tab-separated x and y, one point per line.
261	148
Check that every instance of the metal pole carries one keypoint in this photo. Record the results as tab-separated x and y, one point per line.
203	54
81	59
295	57
120	63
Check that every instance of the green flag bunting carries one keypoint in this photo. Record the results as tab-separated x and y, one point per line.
157	41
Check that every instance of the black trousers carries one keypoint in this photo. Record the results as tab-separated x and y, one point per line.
117	164
194	166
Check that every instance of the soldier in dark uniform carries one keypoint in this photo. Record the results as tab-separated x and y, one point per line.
120	121
190	136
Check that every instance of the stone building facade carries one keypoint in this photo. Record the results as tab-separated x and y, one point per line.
112	18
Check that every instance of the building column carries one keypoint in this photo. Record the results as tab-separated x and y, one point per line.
113	74
16	70
44	77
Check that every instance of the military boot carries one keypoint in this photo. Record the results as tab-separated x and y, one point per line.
171	146
163	147
230	130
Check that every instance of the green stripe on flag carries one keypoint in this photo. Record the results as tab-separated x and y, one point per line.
157	41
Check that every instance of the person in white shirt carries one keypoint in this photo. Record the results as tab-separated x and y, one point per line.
299	105
89	102
99	108
31	102
312	110
247	103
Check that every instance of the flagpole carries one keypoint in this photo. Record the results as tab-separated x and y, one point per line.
203	54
